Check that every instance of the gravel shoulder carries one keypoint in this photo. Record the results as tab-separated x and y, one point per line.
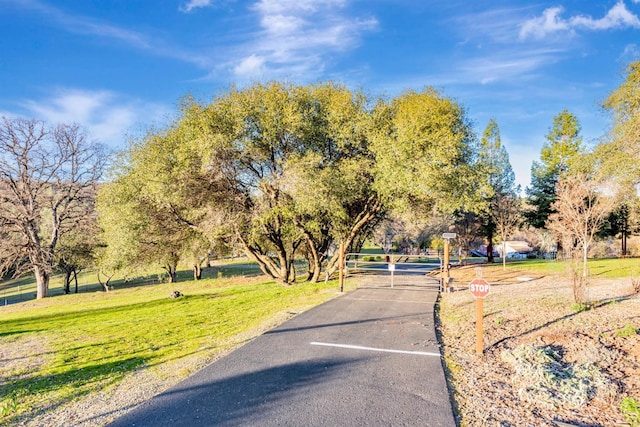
545	362
100	408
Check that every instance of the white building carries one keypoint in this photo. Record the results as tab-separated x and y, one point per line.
514	248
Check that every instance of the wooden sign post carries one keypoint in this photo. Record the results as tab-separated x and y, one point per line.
447	261
341	267
480	289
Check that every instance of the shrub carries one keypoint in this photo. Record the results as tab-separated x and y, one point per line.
633	246
578	308
604	249
545	379
627	331
631	410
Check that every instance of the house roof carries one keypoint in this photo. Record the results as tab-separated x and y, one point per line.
518	245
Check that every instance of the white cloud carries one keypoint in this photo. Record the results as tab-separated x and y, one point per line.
271	7
297	38
281	24
107	116
252	66
293	39
194	4
551	22
618	17
631	52
69	105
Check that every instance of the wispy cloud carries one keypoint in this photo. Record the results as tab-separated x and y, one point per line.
631	52
498	25
107	115
551	22
279	38
297	37
79	24
195	4
504	67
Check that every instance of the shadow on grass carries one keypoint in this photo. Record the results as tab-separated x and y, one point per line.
79	381
48	322
24	289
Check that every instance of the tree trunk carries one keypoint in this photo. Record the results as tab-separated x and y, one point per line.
314	261
197	272
105	284
585	251
310	269
75	278
280	269
266	264
504	256
368	215
315	253
314	276
42	282
490	259
67	280
292	272
173	274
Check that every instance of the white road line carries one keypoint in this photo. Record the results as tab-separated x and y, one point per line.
383	350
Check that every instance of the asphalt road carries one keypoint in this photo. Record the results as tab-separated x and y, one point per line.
367	358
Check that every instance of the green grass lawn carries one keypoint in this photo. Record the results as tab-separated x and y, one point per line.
24	289
64	347
610	268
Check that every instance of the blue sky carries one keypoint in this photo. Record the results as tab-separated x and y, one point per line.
118	67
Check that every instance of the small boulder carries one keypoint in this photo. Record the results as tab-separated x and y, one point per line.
175	294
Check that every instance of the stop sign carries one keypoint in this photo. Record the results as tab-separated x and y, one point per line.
479	288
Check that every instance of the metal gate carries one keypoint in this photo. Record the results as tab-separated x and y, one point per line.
394	270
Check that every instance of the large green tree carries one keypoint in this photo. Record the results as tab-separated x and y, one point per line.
150	211
561	151
424	148
289	171
620	152
425	151
298	167
282	170
331	185
497	183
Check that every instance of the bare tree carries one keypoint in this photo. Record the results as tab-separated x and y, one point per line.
507	217
580	210
48	177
